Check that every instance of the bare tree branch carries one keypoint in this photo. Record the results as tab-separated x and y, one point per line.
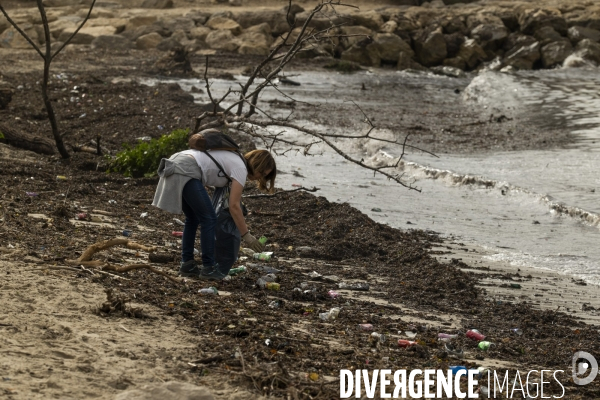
14	24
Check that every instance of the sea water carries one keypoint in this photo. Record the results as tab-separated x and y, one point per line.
535	208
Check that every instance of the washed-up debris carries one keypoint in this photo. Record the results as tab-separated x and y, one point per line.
361	286
475	335
209	291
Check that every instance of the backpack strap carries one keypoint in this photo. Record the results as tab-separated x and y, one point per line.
221	168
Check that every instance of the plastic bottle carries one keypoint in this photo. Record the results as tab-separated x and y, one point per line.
517	331
365	327
272	286
379	336
177	233
406	343
446	336
456	368
475	335
265	256
210	290
238	270
485	346
330	315
263	240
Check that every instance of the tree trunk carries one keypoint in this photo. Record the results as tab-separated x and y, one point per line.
27	141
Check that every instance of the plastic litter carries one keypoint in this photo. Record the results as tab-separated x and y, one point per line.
453	351
178	221
177	233
446	336
475	335
517	331
379	336
410	334
376	209
333	294
275	304
330	315
143	215
126	233
315	275
31	194
113	202
61	178
272	286
264	256
485	346
238	270
263	240
209	291
406	343
365	327
81	216
362	286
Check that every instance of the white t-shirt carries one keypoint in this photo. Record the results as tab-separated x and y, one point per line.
211	174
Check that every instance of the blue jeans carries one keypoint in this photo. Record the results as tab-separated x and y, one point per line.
198	210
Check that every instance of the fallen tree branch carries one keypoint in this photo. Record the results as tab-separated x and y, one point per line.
254	196
131	267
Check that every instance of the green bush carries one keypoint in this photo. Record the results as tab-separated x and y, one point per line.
144	158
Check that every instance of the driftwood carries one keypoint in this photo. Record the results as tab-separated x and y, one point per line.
85	260
26	141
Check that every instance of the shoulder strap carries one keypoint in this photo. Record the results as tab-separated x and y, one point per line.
218	165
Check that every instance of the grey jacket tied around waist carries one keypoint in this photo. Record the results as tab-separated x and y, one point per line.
174	173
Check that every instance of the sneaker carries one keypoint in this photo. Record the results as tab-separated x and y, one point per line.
211	273
189	269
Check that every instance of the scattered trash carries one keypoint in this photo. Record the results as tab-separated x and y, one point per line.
304	249
454	352
406	343
196	252
177	233
410	334
81	216
275	304
313	376
456	368
475	335
515	286
365	327
269	270
315	275
211	290
264	256
363	286
61	178
126	233
484	392
268	282
268	342
143	215
517	331
238	270
83	115
263	240
485	346
31	194
330	315
376	209
446	336
379	336
272	286
160	127
178	221
144	138
113	202
333	294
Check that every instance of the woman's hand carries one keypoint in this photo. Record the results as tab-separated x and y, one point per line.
253	243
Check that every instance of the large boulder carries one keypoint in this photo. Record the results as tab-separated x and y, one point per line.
112	42
254	43
222	40
321	22
481	18
588	17
277	20
371	19
171	24
546	35
530	20
388	47
159	4
555	53
12	39
588	51
199	17
263	28
224	24
389	27
354	34
144	30
430	48
56	27
578	33
139	20
87	34
149	41
405	61
200	33
517	40
362	54
453	43
455	62
405	23
489	32
523	57
454	24
471	53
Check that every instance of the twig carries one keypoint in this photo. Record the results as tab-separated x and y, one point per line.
139	266
125	329
241	359
253	196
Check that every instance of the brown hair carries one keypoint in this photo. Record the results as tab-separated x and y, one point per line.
261	161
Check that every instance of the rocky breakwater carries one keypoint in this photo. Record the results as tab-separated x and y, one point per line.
499	34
